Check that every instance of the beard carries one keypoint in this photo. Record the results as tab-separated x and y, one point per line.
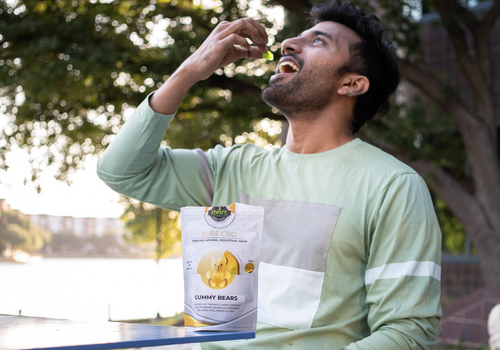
308	91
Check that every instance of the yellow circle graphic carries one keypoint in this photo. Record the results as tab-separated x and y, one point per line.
218	268
249	268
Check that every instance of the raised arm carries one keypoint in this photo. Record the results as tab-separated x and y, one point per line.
217	51
135	164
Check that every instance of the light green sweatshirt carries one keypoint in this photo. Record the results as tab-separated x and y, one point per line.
351	246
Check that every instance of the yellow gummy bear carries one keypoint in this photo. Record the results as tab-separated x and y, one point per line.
268	56
218	275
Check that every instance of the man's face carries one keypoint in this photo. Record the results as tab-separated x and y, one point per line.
306	78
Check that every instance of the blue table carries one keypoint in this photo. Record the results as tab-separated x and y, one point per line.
22	332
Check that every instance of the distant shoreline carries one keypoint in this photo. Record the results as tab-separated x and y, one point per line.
84	256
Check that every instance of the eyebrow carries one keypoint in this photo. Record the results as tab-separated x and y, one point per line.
319	32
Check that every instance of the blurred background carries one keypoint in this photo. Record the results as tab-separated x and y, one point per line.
71	72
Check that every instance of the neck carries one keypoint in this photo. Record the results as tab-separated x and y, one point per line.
318	133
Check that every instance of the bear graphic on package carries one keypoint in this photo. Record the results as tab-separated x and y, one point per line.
217	275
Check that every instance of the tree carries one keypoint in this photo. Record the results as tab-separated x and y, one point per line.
96	60
141	223
69	70
18	232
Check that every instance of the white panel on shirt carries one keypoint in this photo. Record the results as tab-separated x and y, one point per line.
288	297
295	245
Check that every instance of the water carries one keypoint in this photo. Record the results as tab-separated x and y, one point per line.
92	289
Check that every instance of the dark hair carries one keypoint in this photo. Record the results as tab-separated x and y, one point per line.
373	58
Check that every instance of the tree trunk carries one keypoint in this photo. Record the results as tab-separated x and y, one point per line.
489	252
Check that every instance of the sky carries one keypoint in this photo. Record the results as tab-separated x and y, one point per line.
88	196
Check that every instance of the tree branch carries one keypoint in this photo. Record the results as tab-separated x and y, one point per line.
423	79
467	17
489	20
434	88
479	143
475	74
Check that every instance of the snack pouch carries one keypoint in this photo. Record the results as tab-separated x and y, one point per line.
221	252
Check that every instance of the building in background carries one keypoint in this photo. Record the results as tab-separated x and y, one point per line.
81	227
74	237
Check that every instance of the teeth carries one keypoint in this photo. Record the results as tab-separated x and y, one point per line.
288	63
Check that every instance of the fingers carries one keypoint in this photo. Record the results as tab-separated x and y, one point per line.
235	39
260	28
226	44
248	28
252	52
263	48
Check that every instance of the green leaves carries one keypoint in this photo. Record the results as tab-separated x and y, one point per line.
141	224
70	71
452	230
19	232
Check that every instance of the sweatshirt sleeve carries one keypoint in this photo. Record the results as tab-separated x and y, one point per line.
402	277
136	166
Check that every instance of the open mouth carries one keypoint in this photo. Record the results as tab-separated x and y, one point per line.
287	67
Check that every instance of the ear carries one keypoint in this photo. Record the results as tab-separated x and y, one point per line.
226	259
353	84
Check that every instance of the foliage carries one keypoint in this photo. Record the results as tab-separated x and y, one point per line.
70	71
452	230
18	232
141	225
96	60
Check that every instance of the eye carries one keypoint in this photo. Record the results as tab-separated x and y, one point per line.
318	40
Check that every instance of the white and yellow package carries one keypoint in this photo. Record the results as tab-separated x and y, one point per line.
221	253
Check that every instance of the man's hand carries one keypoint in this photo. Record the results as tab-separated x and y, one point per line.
219	48
225	44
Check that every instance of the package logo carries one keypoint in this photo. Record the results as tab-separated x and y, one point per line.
219	213
221	216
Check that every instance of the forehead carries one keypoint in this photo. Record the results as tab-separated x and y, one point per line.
341	34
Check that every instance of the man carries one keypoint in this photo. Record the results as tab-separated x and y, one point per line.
351	246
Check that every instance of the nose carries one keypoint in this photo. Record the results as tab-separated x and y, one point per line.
291	45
